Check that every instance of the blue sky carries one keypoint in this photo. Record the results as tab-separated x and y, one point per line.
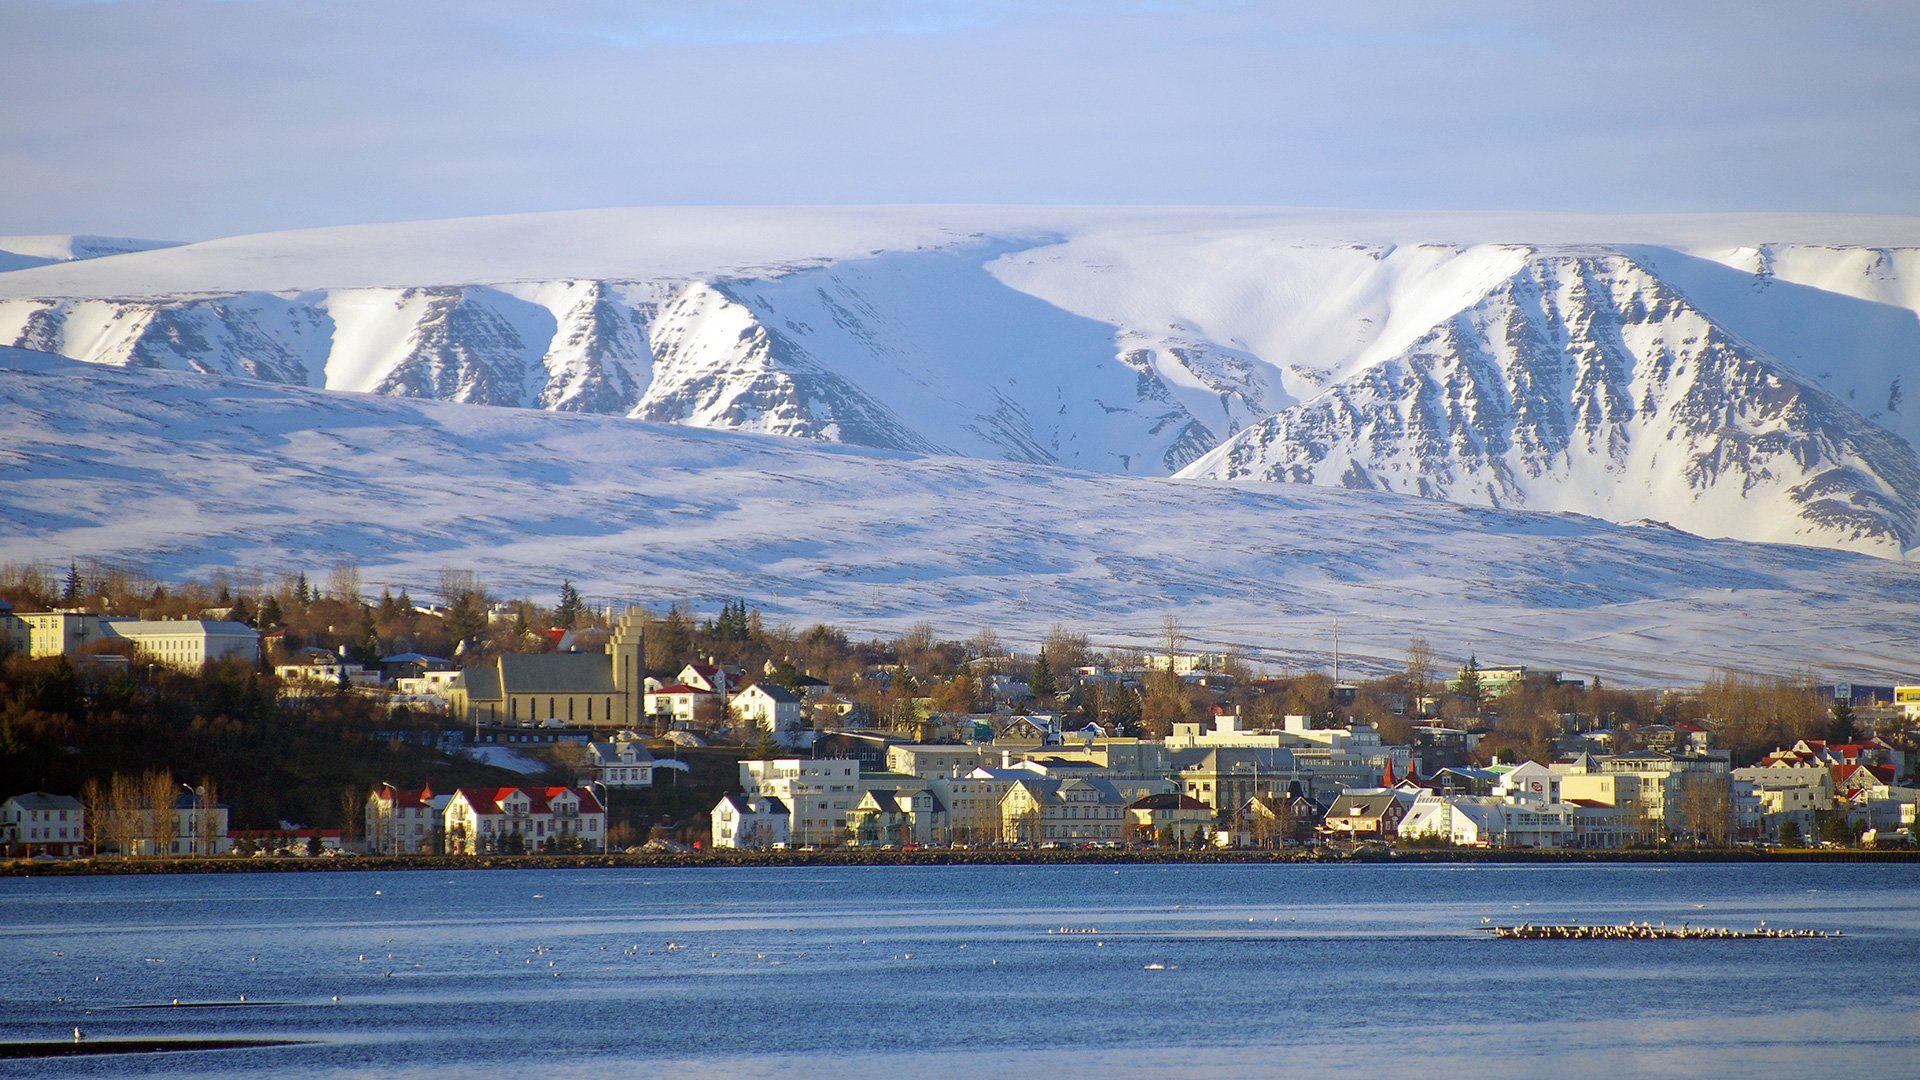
196	119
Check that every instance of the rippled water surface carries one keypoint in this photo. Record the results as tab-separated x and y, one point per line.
893	972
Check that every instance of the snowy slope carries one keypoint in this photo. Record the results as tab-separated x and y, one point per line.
1586	383
1136	341
22	252
186	473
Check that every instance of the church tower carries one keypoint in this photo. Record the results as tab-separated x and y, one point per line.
629	666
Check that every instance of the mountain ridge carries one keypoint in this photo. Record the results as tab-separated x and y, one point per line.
1133	341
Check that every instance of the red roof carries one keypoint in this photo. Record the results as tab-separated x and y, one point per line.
539	800
679	688
402	797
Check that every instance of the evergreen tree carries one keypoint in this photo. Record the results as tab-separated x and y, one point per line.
1041	682
365	649
388	608
465	618
1842	729
301	594
270	614
243	612
226	596
569	610
70	589
404	602
1469	685
1125	711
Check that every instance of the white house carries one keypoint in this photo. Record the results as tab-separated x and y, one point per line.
509	820
750	822
334	671
677	701
403	822
41	824
713	678
818	791
1527	782
775	710
625	763
1461	820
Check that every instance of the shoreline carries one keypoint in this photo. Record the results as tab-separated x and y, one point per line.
981	857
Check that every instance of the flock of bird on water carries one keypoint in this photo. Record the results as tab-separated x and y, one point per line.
1527	931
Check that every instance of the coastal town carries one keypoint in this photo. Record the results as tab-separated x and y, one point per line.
558	730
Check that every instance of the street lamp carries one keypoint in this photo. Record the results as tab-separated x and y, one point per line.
606	814
193	828
387	807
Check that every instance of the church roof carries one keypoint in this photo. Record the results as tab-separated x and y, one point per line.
556	673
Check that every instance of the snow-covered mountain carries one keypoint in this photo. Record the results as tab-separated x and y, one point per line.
1745	377
1585	382
186	474
21	252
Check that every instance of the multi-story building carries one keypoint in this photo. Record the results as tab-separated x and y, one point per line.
897	815
403	822
817	791
750	823
1045	812
187	644
623	763
509	820
41	824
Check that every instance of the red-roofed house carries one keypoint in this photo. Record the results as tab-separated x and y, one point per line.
713	678
403	822
510	820
677	701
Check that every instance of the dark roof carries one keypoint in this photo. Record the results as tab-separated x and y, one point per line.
1370	805
414	658
778	693
482	683
556	673
40	800
1169	800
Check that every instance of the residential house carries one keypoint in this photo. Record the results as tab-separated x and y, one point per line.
1365	815
38	823
897	816
774	709
714	678
1276	819
623	763
400	821
751	823
1170	818
678	703
511	820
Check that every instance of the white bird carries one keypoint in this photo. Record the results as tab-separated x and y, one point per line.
77	1035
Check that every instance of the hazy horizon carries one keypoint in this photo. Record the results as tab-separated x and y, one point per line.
194	120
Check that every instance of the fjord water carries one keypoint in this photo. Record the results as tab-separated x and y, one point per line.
947	971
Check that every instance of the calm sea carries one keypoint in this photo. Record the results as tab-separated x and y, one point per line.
1377	971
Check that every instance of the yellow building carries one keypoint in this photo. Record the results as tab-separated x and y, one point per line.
1907	699
186	644
599	690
